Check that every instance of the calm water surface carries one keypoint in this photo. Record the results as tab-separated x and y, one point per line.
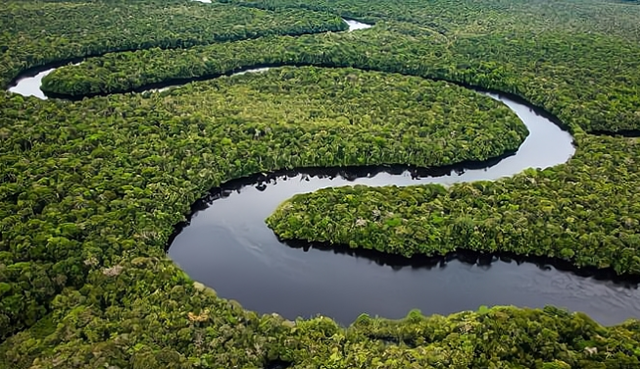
228	246
29	83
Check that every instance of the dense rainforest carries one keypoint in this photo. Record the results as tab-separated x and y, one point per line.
578	84
243	125
562	212
40	33
90	190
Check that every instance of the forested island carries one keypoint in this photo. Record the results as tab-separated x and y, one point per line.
95	179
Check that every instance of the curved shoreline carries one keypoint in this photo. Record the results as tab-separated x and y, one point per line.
40	72
226	244
34	75
442	172
471	258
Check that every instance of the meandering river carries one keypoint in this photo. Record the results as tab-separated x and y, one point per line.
29	83
228	246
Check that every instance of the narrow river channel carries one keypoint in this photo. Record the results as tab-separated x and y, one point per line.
227	245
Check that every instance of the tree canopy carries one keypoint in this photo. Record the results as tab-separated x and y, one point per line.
90	190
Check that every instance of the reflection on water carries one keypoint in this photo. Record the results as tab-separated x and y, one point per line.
355	25
228	246
29	83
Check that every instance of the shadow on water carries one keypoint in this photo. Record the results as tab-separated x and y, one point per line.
228	247
624	133
350	174
225	243
278	364
468	257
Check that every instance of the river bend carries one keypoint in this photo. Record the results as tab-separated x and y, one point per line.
228	246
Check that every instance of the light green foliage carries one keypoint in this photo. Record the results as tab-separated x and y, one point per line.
451	17
112	175
37	33
588	80
90	190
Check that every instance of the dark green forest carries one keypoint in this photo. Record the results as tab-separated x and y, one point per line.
38	33
577	83
563	212
92	188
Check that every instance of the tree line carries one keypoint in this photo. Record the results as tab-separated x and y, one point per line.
38	33
569	75
90	190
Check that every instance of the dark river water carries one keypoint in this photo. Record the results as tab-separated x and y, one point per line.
228	247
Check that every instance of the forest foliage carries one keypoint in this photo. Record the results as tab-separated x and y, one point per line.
584	212
90	190
66	176
455	19
572	76
39	33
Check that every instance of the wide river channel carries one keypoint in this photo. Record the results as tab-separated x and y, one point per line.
228	246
